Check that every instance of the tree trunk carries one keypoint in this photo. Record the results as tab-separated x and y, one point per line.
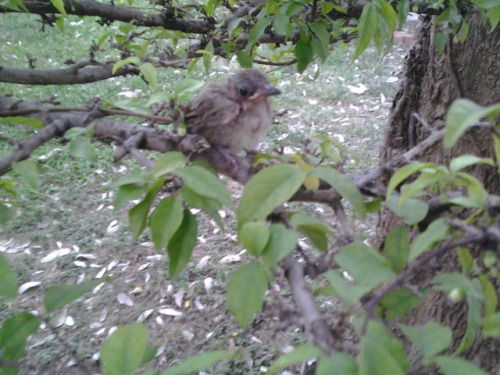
432	81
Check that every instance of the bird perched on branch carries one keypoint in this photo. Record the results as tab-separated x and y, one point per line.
232	115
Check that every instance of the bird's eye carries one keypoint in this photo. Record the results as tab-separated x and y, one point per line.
243	92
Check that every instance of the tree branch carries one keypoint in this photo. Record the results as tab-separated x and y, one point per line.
72	75
164	18
313	321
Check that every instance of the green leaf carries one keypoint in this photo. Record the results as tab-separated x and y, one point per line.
344	186
164	221
399	303
455	281
281	25
211	6
137	176
257	30
364	264
317	234
389	15
268	189
450	281
368	26
205	183
303	53
282	242
313	228
28	170
430	338
182	243
347	292
59	5
434	233
208	205
8	282
198	362
14	333
464	161
138	215
321	32
254	236
245	292
490	296
491	326
341	362
462	114
134	60
397	248
34	123
403	173
475	189
411	211
207	57
494	14
233	25
187	85
126	193
403	8
244	59
373	205
149	355
58	296
418	186
301	353
474	310
167	163
82	148
149	73
465	259
124	350
496	145
6	214
381	353
458	366
319	51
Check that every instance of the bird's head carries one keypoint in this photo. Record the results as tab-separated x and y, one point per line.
250	86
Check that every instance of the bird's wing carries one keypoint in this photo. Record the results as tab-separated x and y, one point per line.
211	108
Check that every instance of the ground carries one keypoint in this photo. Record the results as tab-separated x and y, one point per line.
67	230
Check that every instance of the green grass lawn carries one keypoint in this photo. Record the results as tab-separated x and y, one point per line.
348	101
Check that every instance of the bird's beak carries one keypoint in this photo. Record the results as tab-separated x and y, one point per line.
263	92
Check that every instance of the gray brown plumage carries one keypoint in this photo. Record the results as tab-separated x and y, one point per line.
234	114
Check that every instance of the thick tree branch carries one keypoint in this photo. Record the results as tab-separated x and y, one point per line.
163	18
313	321
67	76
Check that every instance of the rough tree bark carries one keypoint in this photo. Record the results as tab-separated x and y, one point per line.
432	81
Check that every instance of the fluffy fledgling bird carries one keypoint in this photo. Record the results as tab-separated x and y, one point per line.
234	114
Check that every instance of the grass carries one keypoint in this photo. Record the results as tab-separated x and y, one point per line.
72	209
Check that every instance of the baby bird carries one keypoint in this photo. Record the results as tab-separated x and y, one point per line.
233	115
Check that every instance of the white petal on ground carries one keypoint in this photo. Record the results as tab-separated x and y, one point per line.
198	304
144	315
187	335
359	89
203	262
27	286
208	283
170	312
179	296
55	254
230	259
124	299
